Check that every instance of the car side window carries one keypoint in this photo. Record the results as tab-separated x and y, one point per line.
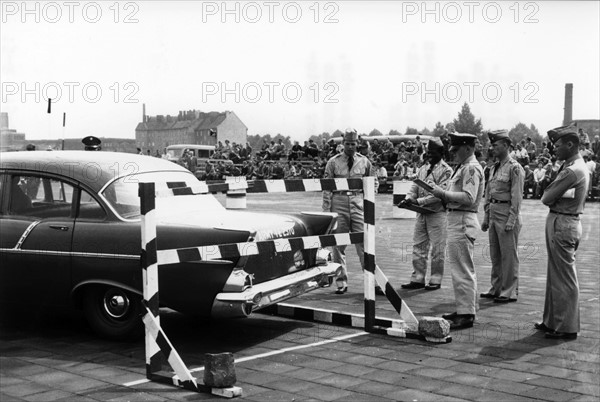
40	197
90	208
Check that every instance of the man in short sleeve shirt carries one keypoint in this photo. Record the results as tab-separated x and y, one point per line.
347	204
430	229
462	199
565	197
503	198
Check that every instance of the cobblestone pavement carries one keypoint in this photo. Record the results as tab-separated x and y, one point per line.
54	356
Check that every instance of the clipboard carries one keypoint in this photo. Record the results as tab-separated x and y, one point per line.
423	185
416	208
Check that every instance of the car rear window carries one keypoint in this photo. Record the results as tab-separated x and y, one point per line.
122	195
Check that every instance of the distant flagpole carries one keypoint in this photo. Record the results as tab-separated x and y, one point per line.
63	131
49	117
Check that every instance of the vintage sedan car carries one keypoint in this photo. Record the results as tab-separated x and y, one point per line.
70	234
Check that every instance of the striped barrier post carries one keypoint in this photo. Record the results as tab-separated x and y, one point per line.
157	344
369	250
150	273
401	188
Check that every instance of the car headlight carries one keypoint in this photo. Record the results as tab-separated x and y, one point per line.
299	259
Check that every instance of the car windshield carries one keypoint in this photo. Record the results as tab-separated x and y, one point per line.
122	195
175	153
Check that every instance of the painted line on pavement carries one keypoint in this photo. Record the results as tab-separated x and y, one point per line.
267	354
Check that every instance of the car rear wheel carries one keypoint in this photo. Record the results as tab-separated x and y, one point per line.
113	313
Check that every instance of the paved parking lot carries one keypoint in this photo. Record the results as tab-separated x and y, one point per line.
54	356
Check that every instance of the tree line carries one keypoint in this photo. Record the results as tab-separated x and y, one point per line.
465	122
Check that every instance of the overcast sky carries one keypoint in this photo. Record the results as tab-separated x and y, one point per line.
296	68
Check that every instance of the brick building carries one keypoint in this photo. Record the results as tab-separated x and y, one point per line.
189	127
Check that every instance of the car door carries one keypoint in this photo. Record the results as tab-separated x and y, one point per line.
105	249
35	243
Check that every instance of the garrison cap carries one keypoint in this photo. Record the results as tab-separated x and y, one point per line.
498	135
91	143
458	139
569	132
350	135
435	143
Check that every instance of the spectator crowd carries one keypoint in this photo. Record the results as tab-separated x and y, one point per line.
274	160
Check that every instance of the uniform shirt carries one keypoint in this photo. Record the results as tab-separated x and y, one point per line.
465	187
440	175
573	175
337	167
505	184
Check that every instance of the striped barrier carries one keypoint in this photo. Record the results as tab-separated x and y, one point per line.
156	341
157	344
385	326
236	250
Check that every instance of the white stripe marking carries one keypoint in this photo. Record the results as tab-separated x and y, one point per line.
267	354
312	185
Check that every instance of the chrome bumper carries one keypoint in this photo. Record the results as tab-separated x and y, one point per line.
241	304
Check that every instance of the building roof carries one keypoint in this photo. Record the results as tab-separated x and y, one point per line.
204	121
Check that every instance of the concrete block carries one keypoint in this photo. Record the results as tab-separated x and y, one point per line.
219	370
434	327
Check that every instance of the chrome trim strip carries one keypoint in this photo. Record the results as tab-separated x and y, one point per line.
71	253
26	233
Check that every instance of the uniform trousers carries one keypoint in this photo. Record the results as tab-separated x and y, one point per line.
350	219
462	229
561	306
503	252
429	232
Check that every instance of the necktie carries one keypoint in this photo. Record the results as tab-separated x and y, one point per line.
350	163
496	167
455	171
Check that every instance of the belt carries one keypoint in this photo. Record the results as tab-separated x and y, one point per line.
348	193
460	210
563	213
493	201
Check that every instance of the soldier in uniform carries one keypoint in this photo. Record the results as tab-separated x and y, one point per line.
503	197
462	198
430	229
565	197
347	204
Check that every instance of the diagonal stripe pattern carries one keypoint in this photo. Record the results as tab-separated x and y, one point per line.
236	250
157	342
258	186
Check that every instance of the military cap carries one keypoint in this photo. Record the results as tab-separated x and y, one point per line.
350	135
91	143
569	132
435	143
498	135
458	139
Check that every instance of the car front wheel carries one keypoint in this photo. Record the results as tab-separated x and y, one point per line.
113	313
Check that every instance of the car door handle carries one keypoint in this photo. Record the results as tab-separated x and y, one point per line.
59	227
